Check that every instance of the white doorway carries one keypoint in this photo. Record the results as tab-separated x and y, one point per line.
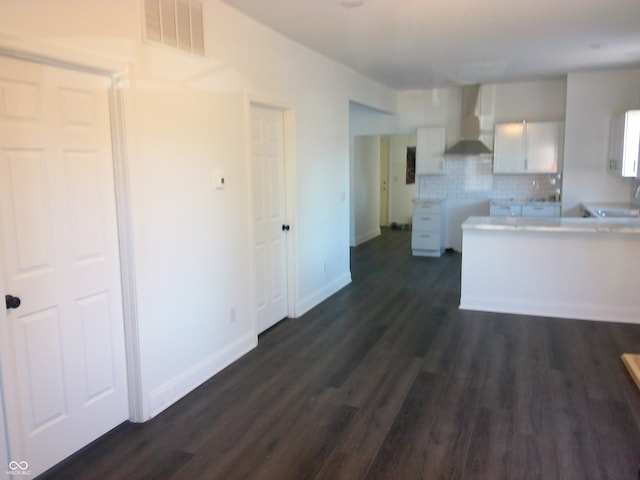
269	214
384	181
64	373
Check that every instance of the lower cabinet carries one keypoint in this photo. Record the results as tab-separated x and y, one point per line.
541	210
427	235
514	209
505	210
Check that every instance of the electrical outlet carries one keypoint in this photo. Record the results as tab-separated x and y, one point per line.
232	314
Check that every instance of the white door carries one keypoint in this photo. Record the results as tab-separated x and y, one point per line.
62	351
384	181
269	215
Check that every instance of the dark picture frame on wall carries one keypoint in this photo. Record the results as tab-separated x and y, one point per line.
411	165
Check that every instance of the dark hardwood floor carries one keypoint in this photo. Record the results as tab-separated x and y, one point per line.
389	380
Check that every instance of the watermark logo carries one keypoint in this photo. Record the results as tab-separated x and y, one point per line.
18	468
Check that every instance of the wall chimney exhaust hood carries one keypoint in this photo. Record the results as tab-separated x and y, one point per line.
469	143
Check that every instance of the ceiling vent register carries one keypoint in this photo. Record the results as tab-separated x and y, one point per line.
175	24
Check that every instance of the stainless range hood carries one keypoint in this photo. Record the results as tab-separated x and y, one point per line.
469	143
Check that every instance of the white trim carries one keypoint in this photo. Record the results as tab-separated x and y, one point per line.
47	52
360	239
310	301
291	202
4	351
170	392
290	198
249	179
582	311
127	259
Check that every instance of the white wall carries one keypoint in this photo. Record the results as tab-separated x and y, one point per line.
363	121
532	101
366	195
592	99
430	108
400	193
185	118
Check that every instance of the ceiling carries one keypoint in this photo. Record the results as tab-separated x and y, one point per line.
411	44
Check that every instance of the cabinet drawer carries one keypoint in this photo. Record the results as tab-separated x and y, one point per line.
505	210
426	221
425	240
426	209
539	211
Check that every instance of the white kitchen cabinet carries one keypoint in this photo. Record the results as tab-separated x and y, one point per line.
508	148
524	209
505	210
427	235
624	144
527	147
430	145
534	210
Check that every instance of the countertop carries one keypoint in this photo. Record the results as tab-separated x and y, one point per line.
572	224
511	201
428	200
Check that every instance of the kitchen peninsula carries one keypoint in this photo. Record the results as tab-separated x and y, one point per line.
584	268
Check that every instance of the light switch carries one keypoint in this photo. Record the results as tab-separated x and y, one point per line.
219	180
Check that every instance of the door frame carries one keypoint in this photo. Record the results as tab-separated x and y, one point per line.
386	139
117	72
288	116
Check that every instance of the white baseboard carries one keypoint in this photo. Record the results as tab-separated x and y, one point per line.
582	311
166	395
367	236
314	299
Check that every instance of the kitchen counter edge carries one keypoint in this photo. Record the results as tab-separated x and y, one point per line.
572	224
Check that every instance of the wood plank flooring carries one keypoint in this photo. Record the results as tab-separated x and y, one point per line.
389	380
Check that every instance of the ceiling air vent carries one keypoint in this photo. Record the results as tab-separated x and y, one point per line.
175	24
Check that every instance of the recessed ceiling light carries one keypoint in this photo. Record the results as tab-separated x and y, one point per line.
351	3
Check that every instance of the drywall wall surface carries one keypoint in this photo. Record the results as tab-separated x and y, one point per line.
185	119
592	99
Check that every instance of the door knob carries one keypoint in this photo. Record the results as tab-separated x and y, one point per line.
285	228
11	301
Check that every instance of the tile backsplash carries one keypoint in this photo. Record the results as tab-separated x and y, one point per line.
472	177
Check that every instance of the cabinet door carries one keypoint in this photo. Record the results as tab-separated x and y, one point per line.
425	241
505	210
430	151
427	208
540	211
508	148
624	138
630	144
426	223
616	136
541	147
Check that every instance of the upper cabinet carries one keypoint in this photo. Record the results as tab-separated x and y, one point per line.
528	147
624	144
430	145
